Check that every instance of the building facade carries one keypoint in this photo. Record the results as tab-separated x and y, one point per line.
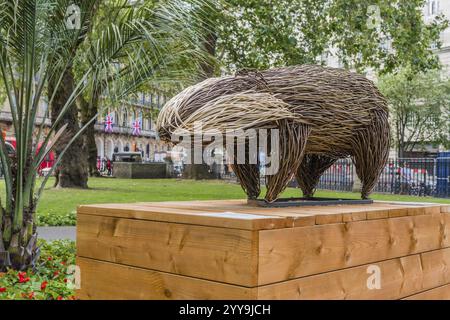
432	9
123	136
6	119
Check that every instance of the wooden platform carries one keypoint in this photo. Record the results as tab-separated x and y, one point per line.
228	250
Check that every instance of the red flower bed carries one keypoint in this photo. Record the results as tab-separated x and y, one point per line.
49	281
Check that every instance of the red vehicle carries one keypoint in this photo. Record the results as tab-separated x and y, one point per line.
48	161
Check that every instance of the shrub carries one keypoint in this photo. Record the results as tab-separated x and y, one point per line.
60	219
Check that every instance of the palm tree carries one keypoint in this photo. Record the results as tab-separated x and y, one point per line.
37	51
174	59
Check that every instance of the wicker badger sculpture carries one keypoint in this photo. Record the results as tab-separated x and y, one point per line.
323	114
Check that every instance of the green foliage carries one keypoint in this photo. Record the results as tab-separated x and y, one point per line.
396	35
49	281
266	33
46	218
419	108
150	46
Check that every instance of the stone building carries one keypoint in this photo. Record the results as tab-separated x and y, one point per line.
122	139
6	119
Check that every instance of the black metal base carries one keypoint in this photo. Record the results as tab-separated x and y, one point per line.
306	202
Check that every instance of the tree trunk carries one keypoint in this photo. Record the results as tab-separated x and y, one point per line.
88	111
202	171
209	44
72	170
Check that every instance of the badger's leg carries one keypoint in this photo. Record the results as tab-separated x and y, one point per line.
370	153
248	175
310	171
293	138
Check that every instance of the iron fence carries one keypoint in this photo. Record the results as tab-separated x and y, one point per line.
338	177
413	176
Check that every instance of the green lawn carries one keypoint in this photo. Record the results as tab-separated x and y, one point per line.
58	206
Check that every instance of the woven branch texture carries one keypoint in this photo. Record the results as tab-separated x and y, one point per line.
322	114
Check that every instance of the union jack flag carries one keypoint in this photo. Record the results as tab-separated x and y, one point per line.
136	127
109	123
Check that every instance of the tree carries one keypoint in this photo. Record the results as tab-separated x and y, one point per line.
137	56
384	35
71	171
176	63
419	108
36	48
266	33
28	42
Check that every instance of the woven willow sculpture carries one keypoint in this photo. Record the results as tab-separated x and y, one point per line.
323	114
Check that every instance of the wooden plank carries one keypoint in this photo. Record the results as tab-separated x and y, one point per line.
293	218
221	254
436	265
291	253
233	216
329	218
354	216
237	214
376	210
440	293
217	219
396	211
378	214
400	209
106	281
399	278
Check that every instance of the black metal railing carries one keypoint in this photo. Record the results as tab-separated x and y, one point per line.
338	177
416	177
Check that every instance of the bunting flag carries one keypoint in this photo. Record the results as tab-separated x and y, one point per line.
136	127
109	123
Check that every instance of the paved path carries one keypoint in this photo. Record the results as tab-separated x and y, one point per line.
57	233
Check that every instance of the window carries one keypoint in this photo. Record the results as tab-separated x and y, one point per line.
432	7
125	118
117	117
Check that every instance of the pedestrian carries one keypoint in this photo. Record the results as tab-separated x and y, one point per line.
108	166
